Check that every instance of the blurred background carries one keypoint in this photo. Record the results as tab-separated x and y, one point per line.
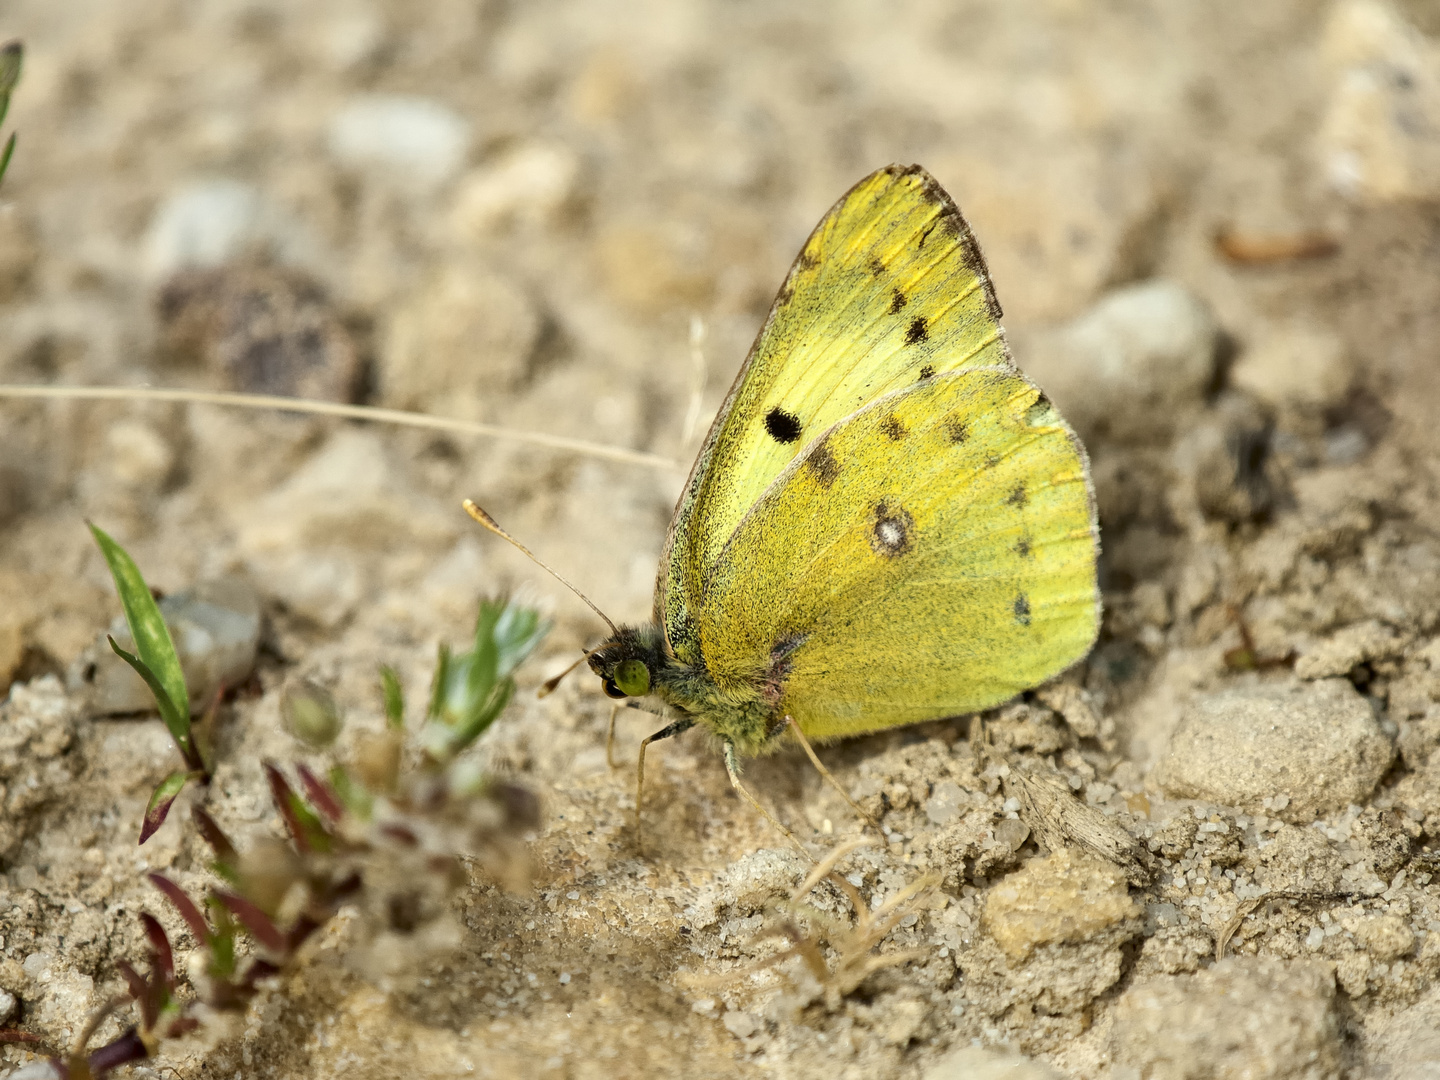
510	213
1214	229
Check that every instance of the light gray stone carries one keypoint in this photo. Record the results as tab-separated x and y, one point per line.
216	630
418	142
988	1063
1408	1047
1261	1019
1297	750
210	222
1126	369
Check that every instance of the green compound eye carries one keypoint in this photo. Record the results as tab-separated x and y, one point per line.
633	678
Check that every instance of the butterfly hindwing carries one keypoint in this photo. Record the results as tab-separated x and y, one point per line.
932	554
889	291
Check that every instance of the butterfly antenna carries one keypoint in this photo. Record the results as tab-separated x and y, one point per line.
486	520
548	687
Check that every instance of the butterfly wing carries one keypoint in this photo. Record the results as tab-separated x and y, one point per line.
930	555
889	289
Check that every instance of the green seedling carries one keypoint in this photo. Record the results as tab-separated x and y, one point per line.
387	839
155	661
12	55
472	688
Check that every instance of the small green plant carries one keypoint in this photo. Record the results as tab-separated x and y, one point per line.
374	833
12	54
155	661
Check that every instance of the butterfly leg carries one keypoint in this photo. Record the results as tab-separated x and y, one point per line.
675	728
829	777
732	766
610	732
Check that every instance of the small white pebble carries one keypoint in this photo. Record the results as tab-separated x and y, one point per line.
827	827
572	895
1315	938
564	978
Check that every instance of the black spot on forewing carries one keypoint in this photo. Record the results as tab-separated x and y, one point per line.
956	430
893	429
891	531
877	267
808	260
927	372
897	301
1018	497
822	464
917	331
1022	548
782	426
1022	609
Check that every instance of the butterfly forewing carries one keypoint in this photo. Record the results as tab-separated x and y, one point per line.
933	554
889	291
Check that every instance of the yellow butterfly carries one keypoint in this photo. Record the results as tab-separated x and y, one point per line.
888	522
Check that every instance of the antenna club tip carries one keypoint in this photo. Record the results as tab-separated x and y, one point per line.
479	514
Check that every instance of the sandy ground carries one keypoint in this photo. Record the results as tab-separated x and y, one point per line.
510	213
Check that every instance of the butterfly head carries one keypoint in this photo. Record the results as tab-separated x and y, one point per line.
628	663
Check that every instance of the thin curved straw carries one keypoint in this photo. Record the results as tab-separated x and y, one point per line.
371	413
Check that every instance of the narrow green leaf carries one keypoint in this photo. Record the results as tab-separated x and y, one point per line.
440	684
356	799
152	636
12	54
394	697
5	154
472	689
517	632
175	720
222	940
484	657
484	716
161	799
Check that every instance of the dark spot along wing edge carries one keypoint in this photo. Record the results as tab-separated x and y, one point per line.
973	259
